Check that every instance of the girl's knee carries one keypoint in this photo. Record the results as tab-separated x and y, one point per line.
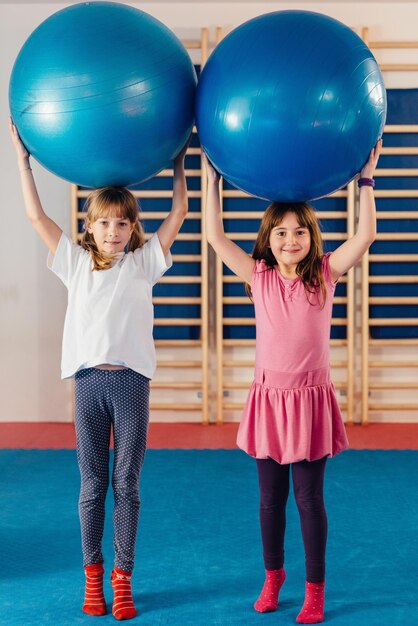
272	499
126	488
310	502
93	487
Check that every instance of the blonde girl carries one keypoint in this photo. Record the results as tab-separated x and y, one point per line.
108	348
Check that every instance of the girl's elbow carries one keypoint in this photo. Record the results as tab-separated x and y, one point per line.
212	239
368	243
179	213
33	219
368	239
183	210
372	238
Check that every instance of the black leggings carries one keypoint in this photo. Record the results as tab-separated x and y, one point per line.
308	487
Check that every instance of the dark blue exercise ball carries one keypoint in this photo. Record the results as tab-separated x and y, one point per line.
289	106
103	94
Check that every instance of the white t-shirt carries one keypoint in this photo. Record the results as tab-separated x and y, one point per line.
110	314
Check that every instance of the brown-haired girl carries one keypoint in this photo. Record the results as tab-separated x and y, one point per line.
291	417
108	348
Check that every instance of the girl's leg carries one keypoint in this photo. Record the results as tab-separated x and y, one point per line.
273	481
92	422
130	397
308	483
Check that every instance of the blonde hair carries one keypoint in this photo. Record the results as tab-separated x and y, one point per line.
115	202
310	268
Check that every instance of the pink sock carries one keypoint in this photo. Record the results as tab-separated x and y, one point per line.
269	596
313	608
94	602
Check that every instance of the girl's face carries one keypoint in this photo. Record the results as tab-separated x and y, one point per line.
289	242
111	234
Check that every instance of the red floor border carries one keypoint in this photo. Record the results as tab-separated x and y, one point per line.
47	435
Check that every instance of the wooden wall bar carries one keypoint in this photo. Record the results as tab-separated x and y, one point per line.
181	383
389	343
208	375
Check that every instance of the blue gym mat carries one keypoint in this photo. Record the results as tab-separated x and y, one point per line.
199	552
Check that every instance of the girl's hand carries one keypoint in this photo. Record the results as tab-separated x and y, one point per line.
370	167
180	157
21	152
211	173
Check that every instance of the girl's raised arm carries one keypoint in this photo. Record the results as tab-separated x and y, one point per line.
169	229
232	255
46	228
350	252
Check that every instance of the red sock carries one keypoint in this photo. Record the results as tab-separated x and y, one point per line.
269	596
123	604
94	602
313	608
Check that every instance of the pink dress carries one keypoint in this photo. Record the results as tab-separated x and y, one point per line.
291	413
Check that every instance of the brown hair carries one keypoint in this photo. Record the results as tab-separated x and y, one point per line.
310	268
115	202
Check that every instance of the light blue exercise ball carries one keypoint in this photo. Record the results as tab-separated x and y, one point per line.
289	106
103	94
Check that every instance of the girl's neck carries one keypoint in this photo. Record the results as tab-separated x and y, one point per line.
287	271
116	258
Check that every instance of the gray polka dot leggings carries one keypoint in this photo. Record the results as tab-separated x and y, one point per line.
106	400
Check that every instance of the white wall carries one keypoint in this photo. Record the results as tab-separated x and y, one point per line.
32	300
